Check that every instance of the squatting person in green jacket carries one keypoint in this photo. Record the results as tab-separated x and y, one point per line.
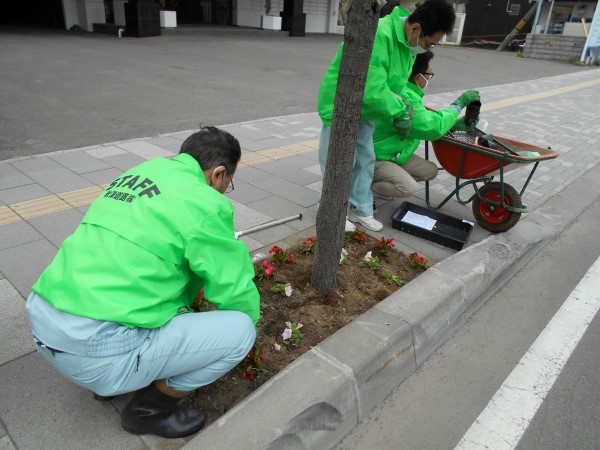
398	169
399	38
112	311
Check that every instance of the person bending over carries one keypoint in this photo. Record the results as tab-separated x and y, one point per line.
398	39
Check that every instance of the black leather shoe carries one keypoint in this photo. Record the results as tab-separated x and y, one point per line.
151	411
102	398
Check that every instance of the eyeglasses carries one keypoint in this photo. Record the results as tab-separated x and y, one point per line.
420	36
429	75
231	187
428	46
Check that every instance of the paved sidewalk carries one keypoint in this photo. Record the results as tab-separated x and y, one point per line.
43	198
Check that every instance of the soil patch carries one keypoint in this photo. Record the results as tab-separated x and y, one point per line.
359	288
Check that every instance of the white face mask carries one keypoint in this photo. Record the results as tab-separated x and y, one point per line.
417	49
426	81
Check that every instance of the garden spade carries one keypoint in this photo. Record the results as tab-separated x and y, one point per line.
267	225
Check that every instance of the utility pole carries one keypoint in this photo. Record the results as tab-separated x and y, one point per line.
518	27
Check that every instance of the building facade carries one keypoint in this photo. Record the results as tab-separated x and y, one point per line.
478	20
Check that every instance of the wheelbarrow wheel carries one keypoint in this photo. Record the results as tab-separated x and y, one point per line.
495	218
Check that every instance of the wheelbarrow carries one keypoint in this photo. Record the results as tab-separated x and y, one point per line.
479	158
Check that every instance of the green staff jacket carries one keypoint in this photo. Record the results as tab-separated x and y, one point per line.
153	239
426	124
389	68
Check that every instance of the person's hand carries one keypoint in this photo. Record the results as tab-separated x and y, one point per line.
461	125
466	98
409	108
402	125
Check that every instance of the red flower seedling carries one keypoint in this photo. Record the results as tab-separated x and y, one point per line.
279	256
308	246
253	363
385	245
357	236
264	269
417	262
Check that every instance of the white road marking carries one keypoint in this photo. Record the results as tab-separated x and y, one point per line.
506	417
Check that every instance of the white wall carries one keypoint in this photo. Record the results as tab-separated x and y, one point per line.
317	23
317	15
321	15
119	7
87	12
332	26
249	12
81	14
70	11
455	36
94	10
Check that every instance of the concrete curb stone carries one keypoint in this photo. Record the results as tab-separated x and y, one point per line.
363	362
434	308
290	411
377	348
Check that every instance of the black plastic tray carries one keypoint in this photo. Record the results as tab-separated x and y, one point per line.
448	231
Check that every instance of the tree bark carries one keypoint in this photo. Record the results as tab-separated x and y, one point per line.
359	33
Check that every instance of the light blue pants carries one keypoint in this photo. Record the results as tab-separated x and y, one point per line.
360	196
189	351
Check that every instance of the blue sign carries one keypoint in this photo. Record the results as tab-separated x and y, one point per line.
593	39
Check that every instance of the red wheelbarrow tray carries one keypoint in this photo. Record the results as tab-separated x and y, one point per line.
482	161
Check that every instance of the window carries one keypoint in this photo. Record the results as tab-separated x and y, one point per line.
514	10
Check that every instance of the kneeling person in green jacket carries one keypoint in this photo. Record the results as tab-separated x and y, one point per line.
112	312
397	169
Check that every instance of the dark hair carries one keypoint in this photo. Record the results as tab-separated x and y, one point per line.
388	8
434	16
421	64
213	147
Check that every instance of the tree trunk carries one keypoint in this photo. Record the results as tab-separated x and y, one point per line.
359	32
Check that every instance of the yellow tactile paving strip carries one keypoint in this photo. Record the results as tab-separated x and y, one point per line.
82	197
537	95
270	154
7	216
17	212
39	207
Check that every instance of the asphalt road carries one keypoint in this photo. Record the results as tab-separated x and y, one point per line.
62	90
435	407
